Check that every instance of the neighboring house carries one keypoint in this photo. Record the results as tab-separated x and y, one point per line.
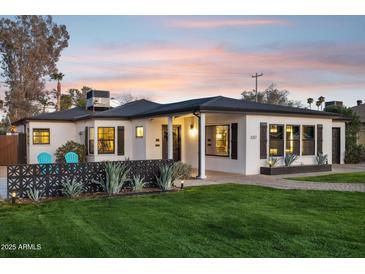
215	133
360	111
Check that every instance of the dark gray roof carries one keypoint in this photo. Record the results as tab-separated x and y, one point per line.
68	115
128	110
144	108
221	103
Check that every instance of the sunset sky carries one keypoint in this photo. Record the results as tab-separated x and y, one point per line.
169	58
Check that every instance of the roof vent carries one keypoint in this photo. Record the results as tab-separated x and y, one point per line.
359	102
98	100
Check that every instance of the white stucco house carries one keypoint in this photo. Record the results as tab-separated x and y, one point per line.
215	133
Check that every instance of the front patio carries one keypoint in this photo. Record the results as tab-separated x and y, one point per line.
279	181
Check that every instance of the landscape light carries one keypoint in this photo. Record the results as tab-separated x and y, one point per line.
13	198
182	184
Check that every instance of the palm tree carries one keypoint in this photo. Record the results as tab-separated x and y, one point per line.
318	104
58	77
321	99
310	102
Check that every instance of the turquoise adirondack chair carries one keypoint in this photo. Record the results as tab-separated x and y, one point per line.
71	158
44	158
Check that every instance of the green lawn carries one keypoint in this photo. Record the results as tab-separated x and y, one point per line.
354	177
211	221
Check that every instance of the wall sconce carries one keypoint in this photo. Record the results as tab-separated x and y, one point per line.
192	130
13	198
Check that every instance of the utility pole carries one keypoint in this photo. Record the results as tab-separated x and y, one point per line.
257	76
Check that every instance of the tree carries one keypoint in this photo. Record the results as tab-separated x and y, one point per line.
127	97
310	102
353	150
271	95
321	99
66	102
79	97
30	47
318	104
45	100
58	76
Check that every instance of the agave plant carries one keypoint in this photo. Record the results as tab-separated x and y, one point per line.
272	161
138	183
321	159
290	158
181	171
72	188
34	194
165	178
116	177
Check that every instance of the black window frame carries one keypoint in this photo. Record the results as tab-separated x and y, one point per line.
282	140
106	140
294	140
228	142
42	129
306	140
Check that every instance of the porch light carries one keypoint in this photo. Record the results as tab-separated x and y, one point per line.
192	130
13	198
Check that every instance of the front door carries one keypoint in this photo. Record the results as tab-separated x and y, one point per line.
176	133
336	145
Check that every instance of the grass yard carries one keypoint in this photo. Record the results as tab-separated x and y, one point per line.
210	221
353	177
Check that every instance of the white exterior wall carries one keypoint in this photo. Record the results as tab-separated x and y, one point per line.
342	126
60	133
128	141
253	162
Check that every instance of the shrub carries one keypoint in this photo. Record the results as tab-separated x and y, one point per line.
289	159
321	159
354	153
72	188
69	146
273	161
138	183
165	178
181	171
116	177
34	194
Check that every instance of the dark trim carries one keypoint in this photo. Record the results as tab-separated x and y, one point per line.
229	138
120	140
234	141
263	142
49	136
294	169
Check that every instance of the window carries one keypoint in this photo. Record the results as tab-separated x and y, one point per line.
106	140
263	140
91	140
276	144
41	136
308	140
216	140
292	139
319	139
139	132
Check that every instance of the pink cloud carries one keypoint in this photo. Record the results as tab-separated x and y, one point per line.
220	23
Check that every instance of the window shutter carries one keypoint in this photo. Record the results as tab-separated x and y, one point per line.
263	140
120	140
86	140
234	129
319	138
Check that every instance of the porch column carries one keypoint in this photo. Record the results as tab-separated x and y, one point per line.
169	138
202	146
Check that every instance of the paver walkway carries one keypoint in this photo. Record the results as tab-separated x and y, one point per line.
214	177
